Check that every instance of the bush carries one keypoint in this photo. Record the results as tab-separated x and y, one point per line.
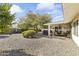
6	31
29	33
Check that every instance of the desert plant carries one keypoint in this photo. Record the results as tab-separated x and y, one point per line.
29	33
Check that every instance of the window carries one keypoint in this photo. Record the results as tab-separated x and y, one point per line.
75	26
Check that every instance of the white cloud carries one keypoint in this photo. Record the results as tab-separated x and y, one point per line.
16	9
44	6
61	16
53	11
58	18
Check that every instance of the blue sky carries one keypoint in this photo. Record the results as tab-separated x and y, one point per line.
54	9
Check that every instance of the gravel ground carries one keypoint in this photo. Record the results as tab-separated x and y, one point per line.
16	45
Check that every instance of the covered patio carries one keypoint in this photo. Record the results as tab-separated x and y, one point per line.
59	29
70	11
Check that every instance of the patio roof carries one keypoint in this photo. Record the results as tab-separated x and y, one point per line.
58	23
70	10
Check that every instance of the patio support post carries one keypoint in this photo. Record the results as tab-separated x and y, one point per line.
78	28
49	30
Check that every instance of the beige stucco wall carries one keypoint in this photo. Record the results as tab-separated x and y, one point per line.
66	26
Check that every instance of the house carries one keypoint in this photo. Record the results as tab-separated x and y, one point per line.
71	17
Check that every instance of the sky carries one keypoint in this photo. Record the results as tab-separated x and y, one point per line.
53	9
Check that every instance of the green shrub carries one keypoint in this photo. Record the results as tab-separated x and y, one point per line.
6	31
29	33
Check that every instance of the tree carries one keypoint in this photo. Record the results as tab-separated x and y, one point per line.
34	21
43	19
5	17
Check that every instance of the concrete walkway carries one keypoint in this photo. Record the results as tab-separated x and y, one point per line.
16	45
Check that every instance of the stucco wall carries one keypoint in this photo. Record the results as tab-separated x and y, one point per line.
66	26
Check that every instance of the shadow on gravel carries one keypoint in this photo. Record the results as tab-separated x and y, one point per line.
2	37
17	52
